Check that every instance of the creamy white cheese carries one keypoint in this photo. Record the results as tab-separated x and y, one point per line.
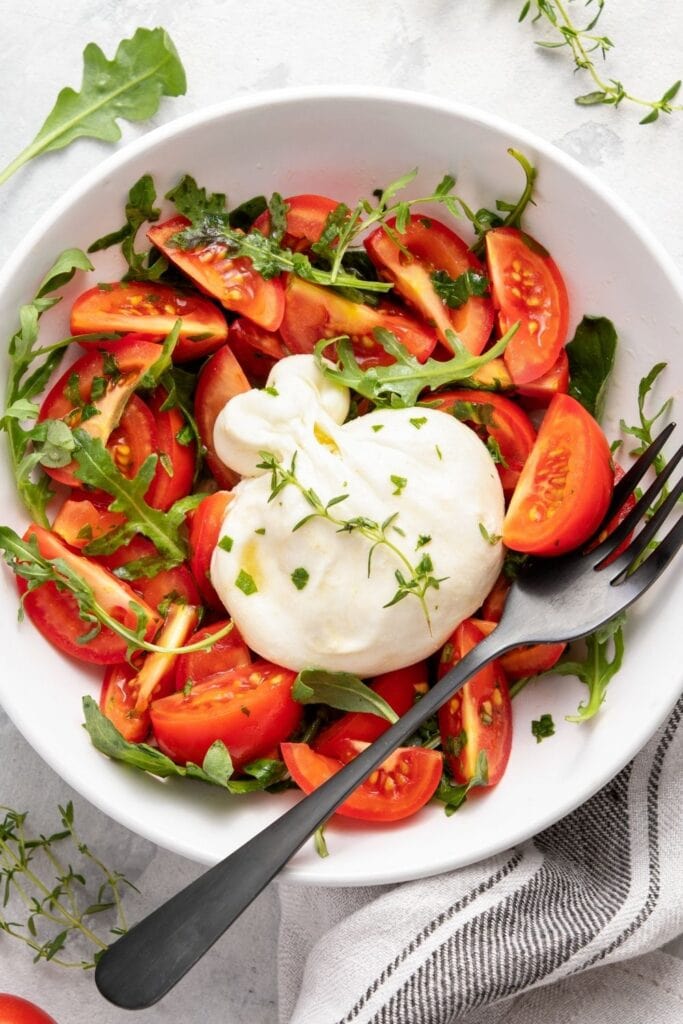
304	597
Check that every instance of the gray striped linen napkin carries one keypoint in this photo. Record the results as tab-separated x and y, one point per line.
602	886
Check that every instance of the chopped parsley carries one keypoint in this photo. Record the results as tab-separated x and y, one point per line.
490	538
261	530
377	426
272	391
495	452
418	421
455	292
225	543
245	583
543	727
423	539
399	483
300	577
438	452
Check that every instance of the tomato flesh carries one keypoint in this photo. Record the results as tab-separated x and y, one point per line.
80	522
496	417
251	709
220	380
426	246
175	470
15	1010
306	216
479	717
151	308
565	487
227	653
529	660
234	282
538	394
205	526
166	585
527	287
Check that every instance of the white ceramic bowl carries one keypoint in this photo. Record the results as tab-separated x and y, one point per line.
345	143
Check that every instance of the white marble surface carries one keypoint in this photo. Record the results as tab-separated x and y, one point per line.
471	51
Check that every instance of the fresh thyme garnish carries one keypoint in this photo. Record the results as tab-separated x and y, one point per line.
399	483
490	538
300	577
246	583
414	580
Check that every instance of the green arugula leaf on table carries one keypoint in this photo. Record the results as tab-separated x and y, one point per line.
400	384
144	68
340	690
591	355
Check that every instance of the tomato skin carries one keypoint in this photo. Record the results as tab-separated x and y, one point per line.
433	246
313	312
399	689
618	518
529	660
55	612
228	653
492	608
151	308
234	282
221	378
205	525
400	787
155	590
509	426
117	703
15	1010
538	394
527	286
565	487
80	522
166	489
480	712
185	726
255	350
306	216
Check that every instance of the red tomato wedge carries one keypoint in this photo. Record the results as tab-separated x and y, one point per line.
205	525
175	470
80	522
313	312
398	788
117	703
112	372
527	287
220	380
538	394
530	660
227	653
251	709
255	350
398	688
497	418
55	613
166	585
150	308
427	245
566	485
479	717
15	1010
306	216
234	282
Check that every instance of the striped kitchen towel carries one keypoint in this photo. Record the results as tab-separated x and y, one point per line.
600	887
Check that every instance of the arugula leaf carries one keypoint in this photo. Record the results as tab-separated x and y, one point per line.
244	215
145	68
195	202
542	728
591	358
340	690
454	794
456	291
400	384
277	208
140	209
264	773
597	669
27	380
483	220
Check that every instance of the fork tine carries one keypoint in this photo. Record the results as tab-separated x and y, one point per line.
639	544
655	564
621	532
635	474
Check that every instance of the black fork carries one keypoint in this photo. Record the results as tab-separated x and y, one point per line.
552	600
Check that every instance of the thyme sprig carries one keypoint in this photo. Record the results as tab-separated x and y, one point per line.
583	42
57	916
414	579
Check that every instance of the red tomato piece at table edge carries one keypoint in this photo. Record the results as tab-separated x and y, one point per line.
566	485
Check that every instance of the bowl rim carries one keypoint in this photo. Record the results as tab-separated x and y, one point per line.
303	95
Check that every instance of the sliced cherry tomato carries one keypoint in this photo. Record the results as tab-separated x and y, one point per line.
618	518
565	487
166	585
220	380
94	391
527	287
537	394
175	470
55	613
306	216
151	308
256	350
427	246
398	788
131	441
15	1010
80	522
529	660
496	420
492	608
205	526
313	312
227	653
251	709
398	688
234	282
479	717
128	691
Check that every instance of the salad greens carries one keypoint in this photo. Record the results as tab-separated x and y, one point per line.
144	68
340	690
591	355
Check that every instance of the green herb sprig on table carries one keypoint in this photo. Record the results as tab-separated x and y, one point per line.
583	42
144	68
65	909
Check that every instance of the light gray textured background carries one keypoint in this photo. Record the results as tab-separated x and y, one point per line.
470	50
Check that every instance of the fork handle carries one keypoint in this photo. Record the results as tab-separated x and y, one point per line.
138	969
